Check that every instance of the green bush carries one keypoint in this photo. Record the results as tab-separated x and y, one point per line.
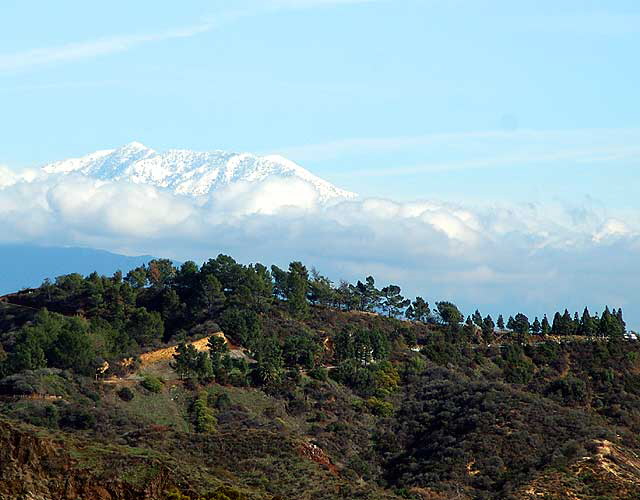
151	383
379	407
77	417
319	373
125	394
203	416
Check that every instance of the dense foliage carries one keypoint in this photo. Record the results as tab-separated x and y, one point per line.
342	390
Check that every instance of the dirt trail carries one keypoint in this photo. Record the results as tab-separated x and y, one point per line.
167	353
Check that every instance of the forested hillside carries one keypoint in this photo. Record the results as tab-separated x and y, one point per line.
302	388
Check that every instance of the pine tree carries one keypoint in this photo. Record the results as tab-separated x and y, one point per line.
536	327
185	360
449	313
279	282
297	289
567	323
477	318
211	294
610	325
546	328
557	328
587	325
419	311
488	329
321	289
218	351
500	322
521	326
621	321
392	301
469	327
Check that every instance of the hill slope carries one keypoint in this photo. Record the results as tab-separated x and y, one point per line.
111	383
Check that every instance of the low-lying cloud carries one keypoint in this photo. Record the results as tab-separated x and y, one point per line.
499	258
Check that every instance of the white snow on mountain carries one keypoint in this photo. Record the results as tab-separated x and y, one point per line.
192	173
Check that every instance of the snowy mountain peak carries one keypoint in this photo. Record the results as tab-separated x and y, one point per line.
192	173
135	145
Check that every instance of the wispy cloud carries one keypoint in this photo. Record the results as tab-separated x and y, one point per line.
33	58
602	155
89	49
479	149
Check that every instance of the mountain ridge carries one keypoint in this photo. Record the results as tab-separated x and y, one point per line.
33	263
192	173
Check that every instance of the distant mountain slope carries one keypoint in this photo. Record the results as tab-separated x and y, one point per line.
192	173
26	266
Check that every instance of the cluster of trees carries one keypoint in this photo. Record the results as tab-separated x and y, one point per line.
610	324
121	315
55	341
362	357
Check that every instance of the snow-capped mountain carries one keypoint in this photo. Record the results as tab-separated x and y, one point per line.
189	172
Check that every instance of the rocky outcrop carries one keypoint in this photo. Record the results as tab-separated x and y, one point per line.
34	466
613	471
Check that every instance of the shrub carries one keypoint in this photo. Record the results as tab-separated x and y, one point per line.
379	407
319	373
205	421
221	401
125	394
77	417
44	415
151	383
570	390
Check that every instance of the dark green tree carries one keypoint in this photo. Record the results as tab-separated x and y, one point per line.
211	295
588	327
609	325
536	327
521	326
392	300
186	360
419	311
477	318
241	325
72	347
279	282
297	289
145	327
321	289
137	278
449	313
368	294
545	328
219	355
160	273
229	273
270	366
301	349
488	329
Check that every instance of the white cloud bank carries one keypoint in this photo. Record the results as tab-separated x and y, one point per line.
499	258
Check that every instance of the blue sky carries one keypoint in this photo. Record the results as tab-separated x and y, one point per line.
521	118
387	98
